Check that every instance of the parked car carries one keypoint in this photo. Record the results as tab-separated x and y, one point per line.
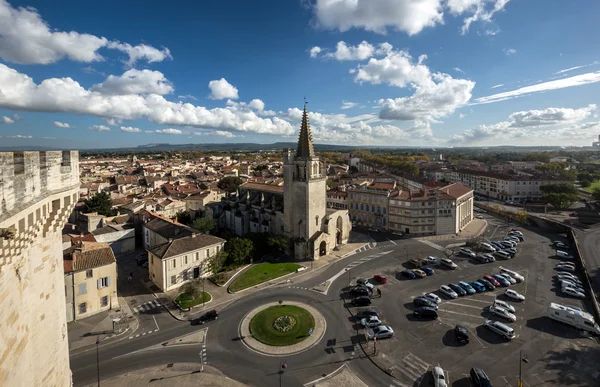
426	312
439	377
508	278
503	281
573	293
492	280
570	277
479	378
416	262
514	295
568	284
419	273
488	285
360	291
433	297
500	328
370	322
507	244
497	245
518	277
447	291
467	252
478	286
487	247
374	229
512	251
568	268
397	233
502	254
504	305
423	301
408	274
141	258
468	288
501	312
560	245
488	257
458	289
563	255
462	334
431	260
365	283
380	278
361	301
448	263
479	216
206	317
380	332
427	270
366	313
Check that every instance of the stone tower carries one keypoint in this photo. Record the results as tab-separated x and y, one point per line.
37	193
304	194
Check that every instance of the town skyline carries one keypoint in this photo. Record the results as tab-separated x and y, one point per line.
446	74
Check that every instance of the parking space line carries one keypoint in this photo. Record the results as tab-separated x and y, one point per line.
473	299
462	314
467	306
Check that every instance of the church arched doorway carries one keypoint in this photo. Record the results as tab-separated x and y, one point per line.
322	248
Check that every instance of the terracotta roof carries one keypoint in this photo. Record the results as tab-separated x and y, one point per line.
456	190
76	238
382	185
263	187
185	245
87	255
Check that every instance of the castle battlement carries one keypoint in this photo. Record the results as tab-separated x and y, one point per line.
27	177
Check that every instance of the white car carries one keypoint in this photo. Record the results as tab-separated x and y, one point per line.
572	292
365	283
397	233
569	277
478	216
501	312
508	278
431	260
568	268
515	232
505	305
569	284
487	247
433	297
370	322
381	332
514	295
488	257
513	274
439	377
448	263
447	291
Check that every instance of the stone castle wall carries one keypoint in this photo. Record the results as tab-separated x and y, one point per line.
37	193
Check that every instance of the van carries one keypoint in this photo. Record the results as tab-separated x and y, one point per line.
563	254
574	317
500	328
502	254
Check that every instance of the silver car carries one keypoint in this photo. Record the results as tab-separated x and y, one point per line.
381	332
370	322
501	312
500	328
447	291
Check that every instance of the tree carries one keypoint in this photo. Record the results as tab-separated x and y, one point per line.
585	183
522	216
278	243
193	287
596	194
183	217
239	250
214	264
559	195
204	225
229	183
100	203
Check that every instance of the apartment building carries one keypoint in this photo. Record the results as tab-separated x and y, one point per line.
502	186
178	261
368	203
337	199
90	270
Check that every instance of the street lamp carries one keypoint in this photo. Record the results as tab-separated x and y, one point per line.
348	270
282	366
521	361
98	359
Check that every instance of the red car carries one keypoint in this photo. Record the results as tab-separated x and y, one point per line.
491	279
380	278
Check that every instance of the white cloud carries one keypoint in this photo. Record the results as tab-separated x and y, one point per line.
27	39
112	121
135	82
65	95
577	80
478	10
577	67
491	32
221	133
509	51
348	105
130	129
549	123
91	70
315	51
255	106
344	52
221	89
6	120
17	136
187	96
59	124
459	70
410	16
168	131
99	128
497	86
461	116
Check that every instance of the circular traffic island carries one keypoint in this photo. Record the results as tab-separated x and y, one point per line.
282	325
278	329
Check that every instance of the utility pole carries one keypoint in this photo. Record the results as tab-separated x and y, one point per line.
521	361
98	359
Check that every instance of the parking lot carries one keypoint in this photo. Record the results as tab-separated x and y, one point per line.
556	354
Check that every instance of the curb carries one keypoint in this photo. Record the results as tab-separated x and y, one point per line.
232	277
354	252
266	282
197	306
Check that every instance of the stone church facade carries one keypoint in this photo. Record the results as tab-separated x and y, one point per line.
297	210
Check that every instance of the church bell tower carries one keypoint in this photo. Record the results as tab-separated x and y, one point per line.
304	193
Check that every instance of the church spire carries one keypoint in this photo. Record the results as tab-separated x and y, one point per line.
305	143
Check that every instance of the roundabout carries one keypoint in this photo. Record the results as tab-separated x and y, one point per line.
279	329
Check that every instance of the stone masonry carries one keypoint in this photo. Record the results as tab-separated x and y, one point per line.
37	193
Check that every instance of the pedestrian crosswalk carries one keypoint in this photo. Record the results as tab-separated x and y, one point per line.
434	245
146	306
412	367
365	259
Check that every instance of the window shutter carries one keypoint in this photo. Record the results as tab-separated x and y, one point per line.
82	288
108	281
100	283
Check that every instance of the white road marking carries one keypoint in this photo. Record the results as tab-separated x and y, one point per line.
462	314
392	241
157	328
467	306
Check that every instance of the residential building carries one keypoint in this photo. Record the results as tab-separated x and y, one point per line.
90	270
337	199
37	194
178	261
196	203
368	203
160	230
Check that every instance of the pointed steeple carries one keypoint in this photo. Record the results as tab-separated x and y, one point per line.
305	142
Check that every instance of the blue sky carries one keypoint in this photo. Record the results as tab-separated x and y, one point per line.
375	72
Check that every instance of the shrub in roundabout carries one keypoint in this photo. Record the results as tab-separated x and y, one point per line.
282	325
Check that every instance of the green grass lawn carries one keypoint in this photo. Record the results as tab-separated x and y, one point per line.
595	184
260	273
261	325
185	300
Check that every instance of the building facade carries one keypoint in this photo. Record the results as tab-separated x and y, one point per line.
90	279
37	193
337	200
368	204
